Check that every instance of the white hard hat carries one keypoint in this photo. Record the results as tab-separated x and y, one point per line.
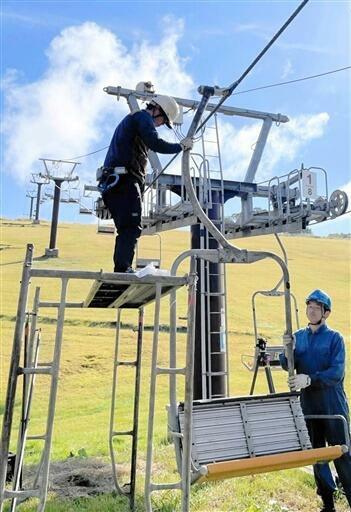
145	87
169	107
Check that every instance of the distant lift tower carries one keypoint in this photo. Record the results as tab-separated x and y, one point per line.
31	194
39	181
58	171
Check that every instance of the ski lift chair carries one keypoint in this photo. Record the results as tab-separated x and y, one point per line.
234	437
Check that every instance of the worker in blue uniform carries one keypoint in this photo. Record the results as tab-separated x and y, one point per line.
122	177
319	357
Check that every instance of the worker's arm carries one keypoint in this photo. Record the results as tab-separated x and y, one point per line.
148	133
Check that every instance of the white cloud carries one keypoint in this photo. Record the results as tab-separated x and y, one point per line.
283	145
287	69
66	113
347	189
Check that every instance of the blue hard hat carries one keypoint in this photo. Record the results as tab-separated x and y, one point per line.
320	297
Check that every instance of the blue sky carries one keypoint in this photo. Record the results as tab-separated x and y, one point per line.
57	57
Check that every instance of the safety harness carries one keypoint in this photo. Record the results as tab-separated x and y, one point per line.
108	177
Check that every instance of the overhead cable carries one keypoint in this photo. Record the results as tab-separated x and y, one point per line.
293	81
88	154
235	84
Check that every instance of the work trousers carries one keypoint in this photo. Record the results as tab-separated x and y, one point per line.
124	202
330	432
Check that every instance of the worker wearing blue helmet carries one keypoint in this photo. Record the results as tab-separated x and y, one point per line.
319	357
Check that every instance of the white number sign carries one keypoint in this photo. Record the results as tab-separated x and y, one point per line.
309	184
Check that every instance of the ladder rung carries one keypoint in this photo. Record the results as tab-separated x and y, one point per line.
126	363
175	434
155	487
217	353
215	374
28	493
123	433
44	370
37	438
170	371
213	294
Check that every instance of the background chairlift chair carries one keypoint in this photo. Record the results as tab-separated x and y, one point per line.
267	356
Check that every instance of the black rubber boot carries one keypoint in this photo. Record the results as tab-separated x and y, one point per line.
328	504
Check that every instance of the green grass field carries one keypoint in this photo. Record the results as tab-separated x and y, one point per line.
82	413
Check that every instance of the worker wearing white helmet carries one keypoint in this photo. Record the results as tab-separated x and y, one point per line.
122	177
168	107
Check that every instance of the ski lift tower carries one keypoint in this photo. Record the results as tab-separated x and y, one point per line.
58	171
287	203
39	180
32	195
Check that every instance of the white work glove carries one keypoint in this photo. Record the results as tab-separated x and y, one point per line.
187	143
299	381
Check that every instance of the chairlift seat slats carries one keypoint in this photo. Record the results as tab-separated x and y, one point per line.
242	436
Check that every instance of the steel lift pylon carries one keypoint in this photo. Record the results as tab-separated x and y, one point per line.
288	203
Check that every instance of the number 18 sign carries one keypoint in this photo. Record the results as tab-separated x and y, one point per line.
309	184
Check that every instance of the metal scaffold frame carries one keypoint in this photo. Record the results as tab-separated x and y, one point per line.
118	291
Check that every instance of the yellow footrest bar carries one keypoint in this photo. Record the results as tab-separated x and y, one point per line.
267	463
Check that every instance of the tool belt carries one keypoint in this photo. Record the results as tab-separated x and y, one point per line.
108	177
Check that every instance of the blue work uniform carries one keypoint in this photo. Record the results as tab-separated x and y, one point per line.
321	356
132	139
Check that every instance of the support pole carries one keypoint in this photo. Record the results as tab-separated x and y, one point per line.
12	381
150	428
52	251
37	207
31	207
45	461
136	408
30	360
189	387
211	355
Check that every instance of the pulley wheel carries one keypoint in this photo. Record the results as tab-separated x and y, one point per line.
338	203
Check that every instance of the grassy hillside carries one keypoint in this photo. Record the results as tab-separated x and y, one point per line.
82	415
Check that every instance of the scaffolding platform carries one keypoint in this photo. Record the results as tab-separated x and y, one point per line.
108	290
129	291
